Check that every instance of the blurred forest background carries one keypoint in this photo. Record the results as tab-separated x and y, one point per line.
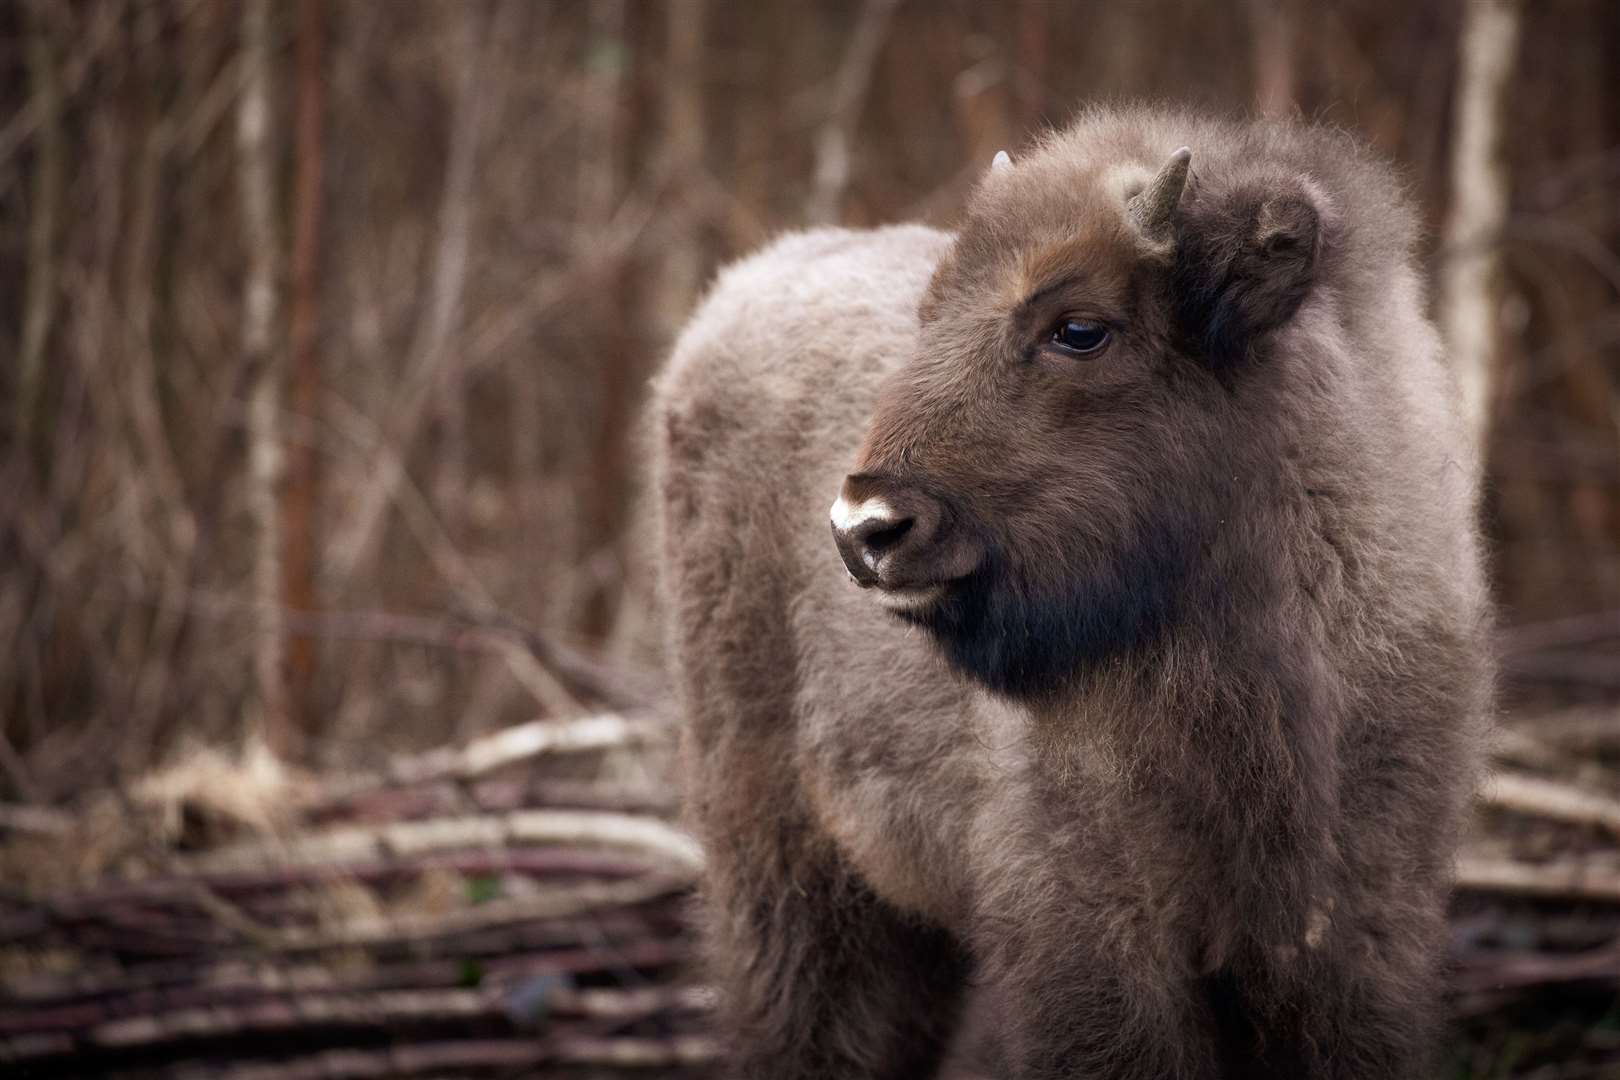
327	325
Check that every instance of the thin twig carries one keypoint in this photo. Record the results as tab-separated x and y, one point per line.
430	353
584	677
849	92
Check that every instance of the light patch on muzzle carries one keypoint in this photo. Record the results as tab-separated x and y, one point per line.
846	517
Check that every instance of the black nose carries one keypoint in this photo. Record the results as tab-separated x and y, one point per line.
889	535
863	544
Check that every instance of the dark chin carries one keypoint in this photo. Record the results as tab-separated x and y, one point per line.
1027	645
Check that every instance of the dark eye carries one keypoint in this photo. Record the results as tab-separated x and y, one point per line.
1079	336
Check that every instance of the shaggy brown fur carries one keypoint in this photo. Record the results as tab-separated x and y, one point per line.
1167	783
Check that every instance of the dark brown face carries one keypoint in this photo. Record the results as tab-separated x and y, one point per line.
1043	485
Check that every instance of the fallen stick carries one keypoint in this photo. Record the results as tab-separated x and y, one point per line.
1517	746
505	922
1533	795
386	1009
418	930
371	843
1595	727
1503	969
1575	879
629	1004
483	1055
1590	669
634	1053
625	938
506	747
272	1015
310	996
237	884
39	820
443	1058
438	798
1557	633
660	915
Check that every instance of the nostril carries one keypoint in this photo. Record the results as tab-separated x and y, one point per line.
885	535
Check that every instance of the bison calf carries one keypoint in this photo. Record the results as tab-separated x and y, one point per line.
1132	704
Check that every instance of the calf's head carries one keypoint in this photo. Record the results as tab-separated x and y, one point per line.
1055	475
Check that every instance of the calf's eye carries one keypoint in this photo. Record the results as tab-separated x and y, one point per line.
1080	336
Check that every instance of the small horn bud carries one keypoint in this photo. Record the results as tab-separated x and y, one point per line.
1151	208
1001	162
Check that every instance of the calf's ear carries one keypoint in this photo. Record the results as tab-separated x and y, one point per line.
1245	259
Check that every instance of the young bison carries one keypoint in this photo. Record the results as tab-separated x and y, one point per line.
1145	738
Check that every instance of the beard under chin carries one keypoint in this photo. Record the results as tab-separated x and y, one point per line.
1029	644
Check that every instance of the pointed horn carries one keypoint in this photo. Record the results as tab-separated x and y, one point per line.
1001	162
1150	209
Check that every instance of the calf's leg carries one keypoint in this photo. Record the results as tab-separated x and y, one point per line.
821	978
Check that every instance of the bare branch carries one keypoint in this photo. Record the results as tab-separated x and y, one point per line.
441	313
849	91
40	296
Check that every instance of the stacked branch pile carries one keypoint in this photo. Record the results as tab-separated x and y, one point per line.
486	909
469	911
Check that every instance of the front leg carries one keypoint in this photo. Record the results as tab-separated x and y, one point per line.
1072	1010
1086	972
1355	1002
1089	964
819	978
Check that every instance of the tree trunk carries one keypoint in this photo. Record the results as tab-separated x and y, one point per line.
40	296
1275	90
301	493
1479	203
257	180
677	285
848	99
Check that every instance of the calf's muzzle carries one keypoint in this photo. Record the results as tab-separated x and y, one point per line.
895	537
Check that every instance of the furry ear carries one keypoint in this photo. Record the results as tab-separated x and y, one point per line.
1245	260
